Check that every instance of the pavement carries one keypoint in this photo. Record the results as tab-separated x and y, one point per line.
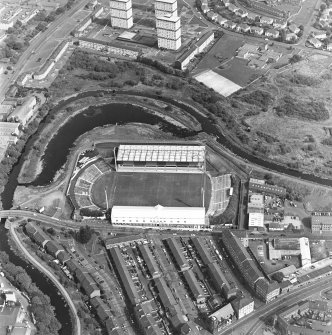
38	265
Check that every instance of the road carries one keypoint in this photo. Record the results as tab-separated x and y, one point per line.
36	44
276	305
50	276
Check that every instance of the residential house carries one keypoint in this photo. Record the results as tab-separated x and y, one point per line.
244	28
257	30
233	8
221	20
320	35
242	13
272	33
253	16
280	24
293	28
212	15
266	20
291	37
230	24
315	42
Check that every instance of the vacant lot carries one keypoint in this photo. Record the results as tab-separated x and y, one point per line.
150	189
292	127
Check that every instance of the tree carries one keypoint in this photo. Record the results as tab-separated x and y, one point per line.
84	235
323	7
294	59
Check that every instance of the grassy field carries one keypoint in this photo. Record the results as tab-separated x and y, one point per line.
150	189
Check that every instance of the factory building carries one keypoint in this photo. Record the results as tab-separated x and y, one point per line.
121	13
23	113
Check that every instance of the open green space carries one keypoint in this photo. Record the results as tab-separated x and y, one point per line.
150	189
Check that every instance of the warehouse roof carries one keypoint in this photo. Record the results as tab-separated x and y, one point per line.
162	153
158	212
126	279
204	254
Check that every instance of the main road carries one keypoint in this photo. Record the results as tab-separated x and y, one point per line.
38	43
256	318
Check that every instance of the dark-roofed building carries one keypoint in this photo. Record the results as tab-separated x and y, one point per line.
204	254
122	241
96	301
149	260
53	248
87	283
72	265
266	188
146	321
30	229
63	256
103	312
165	294
40	238
124	275
111	324
177	254
242	306
219	281
267	291
194	287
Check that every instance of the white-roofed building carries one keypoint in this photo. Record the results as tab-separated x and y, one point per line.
23	113
256	221
191	218
161	158
305	251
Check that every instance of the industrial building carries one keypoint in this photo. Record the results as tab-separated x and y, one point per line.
260	186
161	158
194	286
184	218
149	260
121	13
264	289
219	281
23	113
169	31
221	318
321	222
177	254
124	275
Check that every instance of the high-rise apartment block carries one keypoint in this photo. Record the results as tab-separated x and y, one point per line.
121	13
169	32
165	7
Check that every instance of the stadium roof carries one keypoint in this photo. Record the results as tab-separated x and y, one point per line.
158	212
161	153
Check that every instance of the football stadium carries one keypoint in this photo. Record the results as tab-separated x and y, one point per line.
147	185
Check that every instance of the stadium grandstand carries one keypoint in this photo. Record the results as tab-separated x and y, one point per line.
160	158
80	188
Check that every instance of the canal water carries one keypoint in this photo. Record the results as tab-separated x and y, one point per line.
58	149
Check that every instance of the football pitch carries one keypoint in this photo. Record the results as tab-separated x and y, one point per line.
151	189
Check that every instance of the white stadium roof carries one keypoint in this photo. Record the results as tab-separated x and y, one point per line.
158	212
161	153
